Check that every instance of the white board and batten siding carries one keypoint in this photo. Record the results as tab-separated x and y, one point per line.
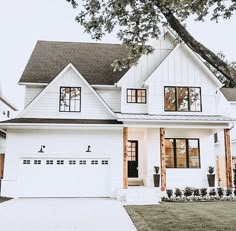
46	105
180	69
99	176
137	74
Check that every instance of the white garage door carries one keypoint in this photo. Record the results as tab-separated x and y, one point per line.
60	177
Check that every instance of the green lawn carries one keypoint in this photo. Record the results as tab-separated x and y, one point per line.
207	216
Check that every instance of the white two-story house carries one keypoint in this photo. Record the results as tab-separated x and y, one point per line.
87	131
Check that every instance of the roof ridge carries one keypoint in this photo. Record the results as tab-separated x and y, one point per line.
80	42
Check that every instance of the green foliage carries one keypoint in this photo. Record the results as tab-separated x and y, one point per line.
188	191
203	192
211	169
178	192
196	192
156	169
228	192
220	192
169	193
137	20
212	192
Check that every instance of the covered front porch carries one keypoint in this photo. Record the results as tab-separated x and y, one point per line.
183	150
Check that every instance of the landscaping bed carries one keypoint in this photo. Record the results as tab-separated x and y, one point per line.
215	216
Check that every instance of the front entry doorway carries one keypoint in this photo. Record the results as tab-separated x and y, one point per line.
132	159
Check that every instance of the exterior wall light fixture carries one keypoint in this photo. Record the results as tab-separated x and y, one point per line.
41	149
88	150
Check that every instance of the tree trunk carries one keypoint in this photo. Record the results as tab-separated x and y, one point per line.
199	48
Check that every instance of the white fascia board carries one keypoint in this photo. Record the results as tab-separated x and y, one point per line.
204	67
39	96
182	125
24	126
32	84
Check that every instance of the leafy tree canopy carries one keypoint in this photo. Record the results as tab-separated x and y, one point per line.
139	20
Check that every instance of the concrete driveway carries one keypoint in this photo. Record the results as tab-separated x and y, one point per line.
64	214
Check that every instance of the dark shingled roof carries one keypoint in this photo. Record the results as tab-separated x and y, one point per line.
60	121
229	93
92	60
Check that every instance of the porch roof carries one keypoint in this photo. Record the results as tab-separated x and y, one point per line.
171	120
207	118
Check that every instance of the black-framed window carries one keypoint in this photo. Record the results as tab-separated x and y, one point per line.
182	153
70	99
183	99
136	96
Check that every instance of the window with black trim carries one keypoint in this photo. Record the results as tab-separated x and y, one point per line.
182	153
183	99
136	96
70	99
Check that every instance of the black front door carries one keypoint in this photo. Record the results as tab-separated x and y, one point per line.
132	158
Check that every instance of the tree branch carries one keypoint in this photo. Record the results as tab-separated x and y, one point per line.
204	52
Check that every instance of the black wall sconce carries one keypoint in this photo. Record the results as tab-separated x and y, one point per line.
88	150
41	149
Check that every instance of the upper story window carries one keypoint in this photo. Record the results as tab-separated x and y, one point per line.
183	99
182	153
70	99
136	96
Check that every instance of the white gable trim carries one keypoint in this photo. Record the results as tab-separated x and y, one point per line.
196	58
38	97
163	61
119	83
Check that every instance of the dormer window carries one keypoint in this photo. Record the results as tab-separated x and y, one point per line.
70	99
183	99
136	96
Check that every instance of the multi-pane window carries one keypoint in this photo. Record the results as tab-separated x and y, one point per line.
182	153
132	150
136	96
70	99
183	99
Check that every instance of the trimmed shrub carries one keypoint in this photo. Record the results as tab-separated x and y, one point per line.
220	192
178	192
196	192
203	191
188	191
228	192
212	192
169	193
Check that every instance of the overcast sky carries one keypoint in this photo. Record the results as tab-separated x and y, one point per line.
24	22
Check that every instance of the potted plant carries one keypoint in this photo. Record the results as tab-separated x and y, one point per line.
211	177
156	176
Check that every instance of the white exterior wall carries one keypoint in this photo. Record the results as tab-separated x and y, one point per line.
179	69
47	104
112	97
31	92
136	76
182	178
149	156
63	144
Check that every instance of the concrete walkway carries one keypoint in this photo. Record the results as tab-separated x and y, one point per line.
64	214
